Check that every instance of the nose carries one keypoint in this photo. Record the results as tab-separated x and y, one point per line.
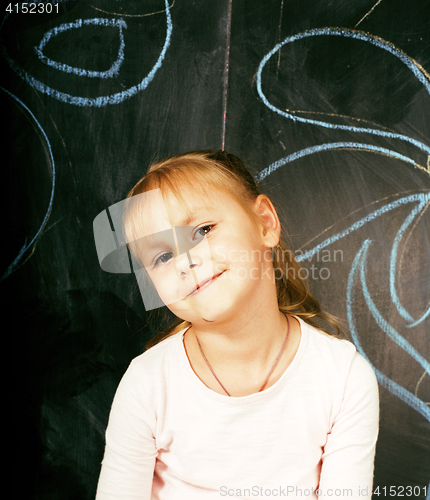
185	263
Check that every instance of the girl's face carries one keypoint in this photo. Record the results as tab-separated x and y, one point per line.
212	261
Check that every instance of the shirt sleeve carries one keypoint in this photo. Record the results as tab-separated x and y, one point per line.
128	464
348	456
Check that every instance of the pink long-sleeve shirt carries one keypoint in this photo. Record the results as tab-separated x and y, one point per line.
313	433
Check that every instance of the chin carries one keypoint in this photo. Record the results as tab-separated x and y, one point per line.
195	317
210	310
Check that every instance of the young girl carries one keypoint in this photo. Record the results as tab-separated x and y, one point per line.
244	396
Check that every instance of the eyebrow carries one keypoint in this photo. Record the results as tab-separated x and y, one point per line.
196	214
153	240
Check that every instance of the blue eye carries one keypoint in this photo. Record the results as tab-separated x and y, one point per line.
165	257
203	231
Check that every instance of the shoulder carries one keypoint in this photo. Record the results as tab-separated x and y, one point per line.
154	362
151	370
336	357
330	349
164	349
336	372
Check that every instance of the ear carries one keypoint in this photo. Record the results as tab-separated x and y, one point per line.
269	223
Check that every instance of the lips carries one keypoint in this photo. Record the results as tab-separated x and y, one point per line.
205	284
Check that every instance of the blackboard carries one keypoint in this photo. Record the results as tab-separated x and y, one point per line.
329	104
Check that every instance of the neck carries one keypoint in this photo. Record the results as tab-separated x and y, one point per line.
251	337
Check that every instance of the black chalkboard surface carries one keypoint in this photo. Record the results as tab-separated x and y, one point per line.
328	102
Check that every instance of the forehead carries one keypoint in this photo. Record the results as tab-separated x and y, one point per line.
160	209
192	206
147	211
188	204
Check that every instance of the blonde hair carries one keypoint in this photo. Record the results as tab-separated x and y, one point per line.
200	170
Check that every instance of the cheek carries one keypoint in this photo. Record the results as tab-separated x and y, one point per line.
238	252
226	250
173	288
163	283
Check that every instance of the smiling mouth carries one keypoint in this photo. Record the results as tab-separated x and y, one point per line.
205	284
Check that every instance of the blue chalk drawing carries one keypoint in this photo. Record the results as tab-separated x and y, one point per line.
358	269
101	100
326	147
422	198
402	311
111	72
358	35
26	246
422	77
